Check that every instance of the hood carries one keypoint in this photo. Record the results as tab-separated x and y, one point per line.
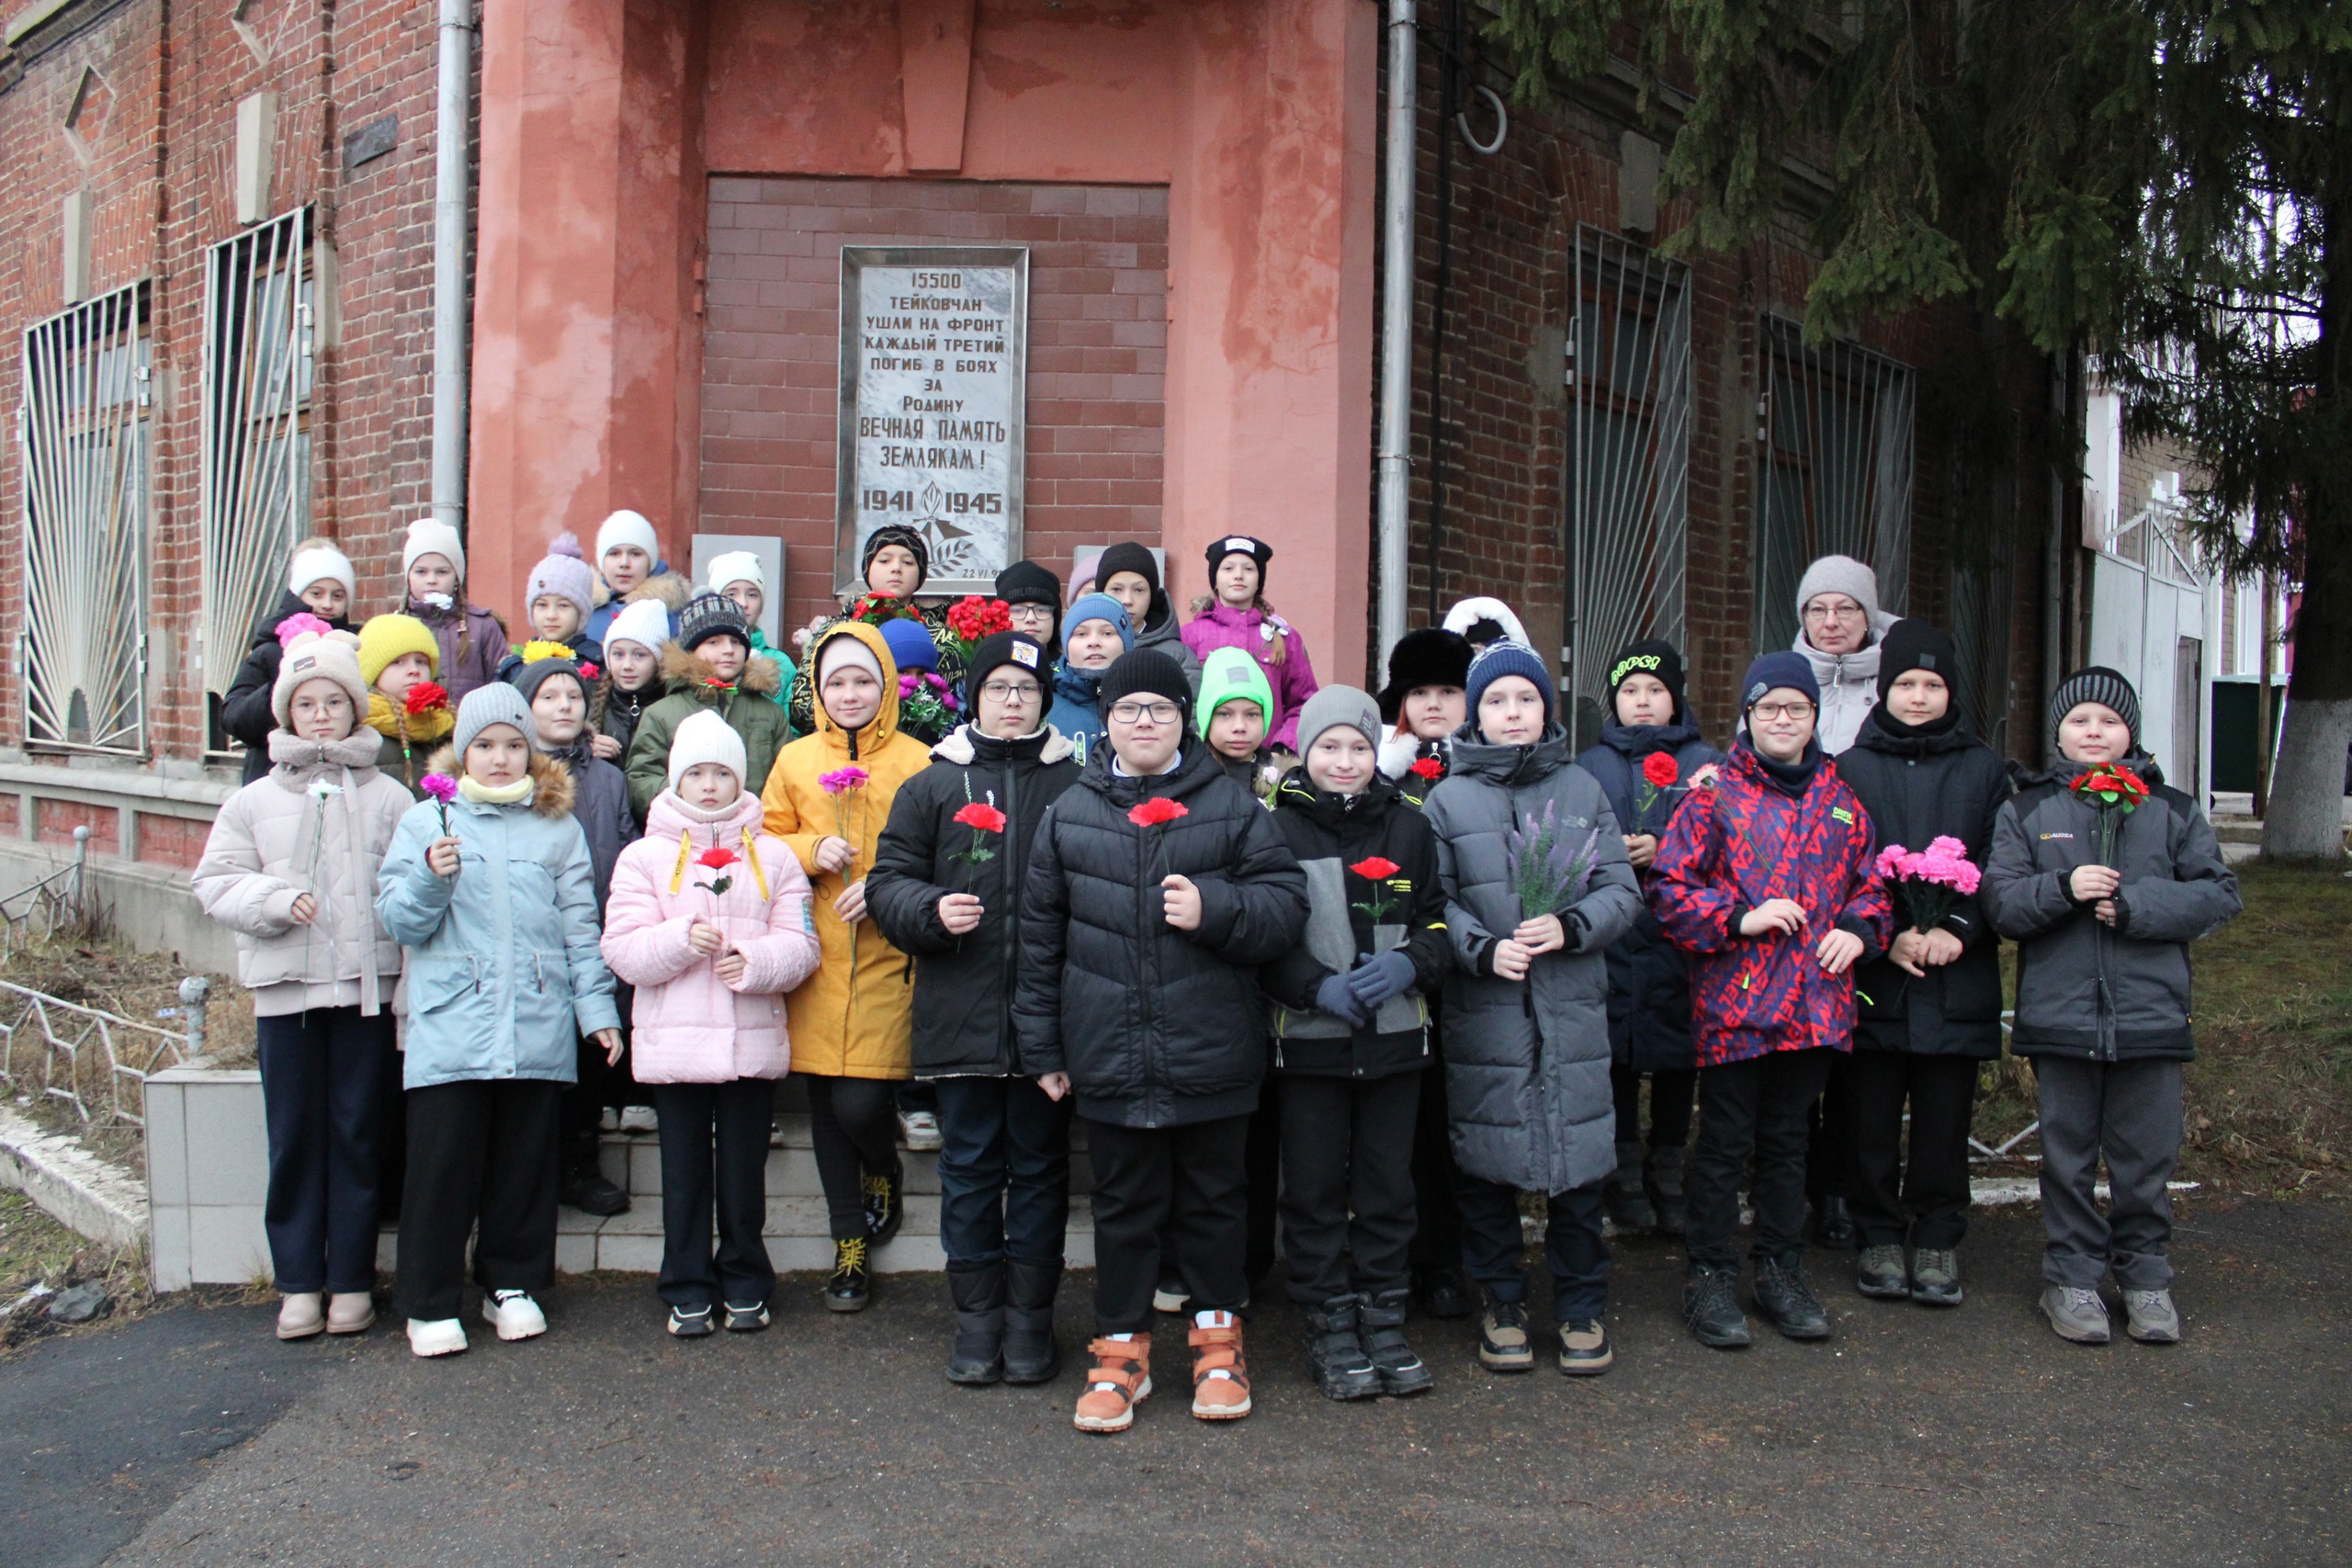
667	816
1874	736
964	748
1079	685
289	603
886	719
1228	673
1857	668
294	761
553	790
664	586
1508	765
683	672
1470	612
1638	740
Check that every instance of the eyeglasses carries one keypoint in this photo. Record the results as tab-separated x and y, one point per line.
1031	614
1769	711
1824	614
1136	713
1011	692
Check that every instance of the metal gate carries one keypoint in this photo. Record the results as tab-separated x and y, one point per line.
83	431
2154	609
256	498
1628	464
1833	470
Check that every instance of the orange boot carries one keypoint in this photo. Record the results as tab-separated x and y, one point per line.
1220	1375
1118	1381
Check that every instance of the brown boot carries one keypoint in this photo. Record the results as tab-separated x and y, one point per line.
1220	1376
1118	1381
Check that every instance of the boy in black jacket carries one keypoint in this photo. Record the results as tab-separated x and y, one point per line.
1351	1035
946	890
1156	886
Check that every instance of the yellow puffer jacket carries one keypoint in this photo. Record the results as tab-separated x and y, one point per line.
853	1018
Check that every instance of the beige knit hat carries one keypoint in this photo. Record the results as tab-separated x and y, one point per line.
318	656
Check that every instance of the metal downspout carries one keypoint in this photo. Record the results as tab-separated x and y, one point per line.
1396	325
452	143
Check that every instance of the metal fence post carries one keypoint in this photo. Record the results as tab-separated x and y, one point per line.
81	872
193	991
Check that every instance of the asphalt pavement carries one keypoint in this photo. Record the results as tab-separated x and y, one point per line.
1969	1437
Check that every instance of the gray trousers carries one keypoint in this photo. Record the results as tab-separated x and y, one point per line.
2130	1113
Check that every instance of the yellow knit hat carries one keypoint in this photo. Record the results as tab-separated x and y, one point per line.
386	638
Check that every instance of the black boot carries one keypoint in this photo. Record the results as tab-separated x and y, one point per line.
1442	1292
1381	1321
1335	1356
978	1355
1787	1302
1628	1204
1030	1353
1662	1180
1833	1226
584	1187
1711	1309
886	1205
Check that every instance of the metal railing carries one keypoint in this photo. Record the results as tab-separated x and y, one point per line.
56	899
88	1055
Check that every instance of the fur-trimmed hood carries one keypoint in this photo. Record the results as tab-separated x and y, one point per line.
957	747
683	672
665	585
553	789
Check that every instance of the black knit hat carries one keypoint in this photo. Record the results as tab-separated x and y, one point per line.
1431	656
2099	684
1026	582
1913	644
707	615
901	535
994	653
1142	671
1226	545
1651	656
539	671
1128	556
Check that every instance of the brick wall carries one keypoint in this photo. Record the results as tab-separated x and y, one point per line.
172	840
60	817
1098	353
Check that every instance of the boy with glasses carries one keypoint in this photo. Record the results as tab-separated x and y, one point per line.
1157	887
946	890
1033	595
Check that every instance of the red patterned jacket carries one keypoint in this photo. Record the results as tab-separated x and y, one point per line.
1752	996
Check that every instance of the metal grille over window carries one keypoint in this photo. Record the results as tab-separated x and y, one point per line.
1629	453
1834	448
256	461
83	437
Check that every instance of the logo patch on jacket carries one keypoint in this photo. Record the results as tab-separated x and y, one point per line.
1842	815
2047	837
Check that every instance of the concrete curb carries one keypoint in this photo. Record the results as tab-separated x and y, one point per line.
77	1187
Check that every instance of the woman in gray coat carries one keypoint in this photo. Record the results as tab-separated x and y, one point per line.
1527	1024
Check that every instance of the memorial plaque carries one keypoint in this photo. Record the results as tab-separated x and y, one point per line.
934	341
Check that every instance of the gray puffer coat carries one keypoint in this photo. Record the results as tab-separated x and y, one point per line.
1527	1060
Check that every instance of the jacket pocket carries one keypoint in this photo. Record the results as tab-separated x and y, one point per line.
435	986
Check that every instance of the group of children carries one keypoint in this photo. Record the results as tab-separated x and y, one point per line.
1372	969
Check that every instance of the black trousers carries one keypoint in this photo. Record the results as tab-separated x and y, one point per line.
1003	1171
1494	1248
480	1153
322	1091
1191	1179
1923	1200
1757	1107
1829	1127
1671	1095
599	1085
715	1147
1262	1159
1347	1190
853	1124
1436	1233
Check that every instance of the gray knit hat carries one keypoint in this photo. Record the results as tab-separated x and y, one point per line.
1339	706
497	703
2095	683
1839	574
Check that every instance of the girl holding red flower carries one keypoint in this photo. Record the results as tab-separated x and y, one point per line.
398	659
709	920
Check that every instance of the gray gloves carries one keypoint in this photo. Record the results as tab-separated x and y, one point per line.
1337	998
1375	980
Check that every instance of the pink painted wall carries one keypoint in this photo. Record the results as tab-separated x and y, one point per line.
601	120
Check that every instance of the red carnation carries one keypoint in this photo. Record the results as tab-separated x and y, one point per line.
1658	769
424	697
1428	768
979	814
716	858
1157	810
1376	869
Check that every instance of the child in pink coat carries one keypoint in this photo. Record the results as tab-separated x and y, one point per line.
709	919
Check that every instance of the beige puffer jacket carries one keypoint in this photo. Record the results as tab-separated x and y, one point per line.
317	822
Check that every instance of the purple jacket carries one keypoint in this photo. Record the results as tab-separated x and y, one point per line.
1253	632
473	644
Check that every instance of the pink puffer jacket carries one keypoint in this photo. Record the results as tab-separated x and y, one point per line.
1254	633
690	1026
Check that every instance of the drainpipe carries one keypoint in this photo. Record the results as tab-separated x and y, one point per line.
452	150
1396	327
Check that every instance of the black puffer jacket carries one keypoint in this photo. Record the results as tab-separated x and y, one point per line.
1919	787
1649	977
244	708
600	801
2085	989
962	1015
1156	1027
1331	835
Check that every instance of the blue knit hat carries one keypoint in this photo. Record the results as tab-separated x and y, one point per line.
1099	607
1508	657
910	644
1783	667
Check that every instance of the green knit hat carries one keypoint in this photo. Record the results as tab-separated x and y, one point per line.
1230	674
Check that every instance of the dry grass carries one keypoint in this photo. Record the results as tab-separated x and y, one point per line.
2269	1097
37	1251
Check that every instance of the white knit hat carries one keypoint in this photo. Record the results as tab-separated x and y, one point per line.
1840	574
645	622
318	656
627	527
316	561
704	736
431	536
735	565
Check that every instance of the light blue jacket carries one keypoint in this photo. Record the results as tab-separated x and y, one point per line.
504	970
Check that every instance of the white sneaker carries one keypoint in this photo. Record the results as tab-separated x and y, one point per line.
920	1128
639	1119
610	1121
514	1314
435	1336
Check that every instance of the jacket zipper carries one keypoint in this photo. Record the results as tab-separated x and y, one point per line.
1012	912
1143	950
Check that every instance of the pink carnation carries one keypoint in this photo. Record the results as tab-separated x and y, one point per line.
1890	861
1946	844
300	623
1969	880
